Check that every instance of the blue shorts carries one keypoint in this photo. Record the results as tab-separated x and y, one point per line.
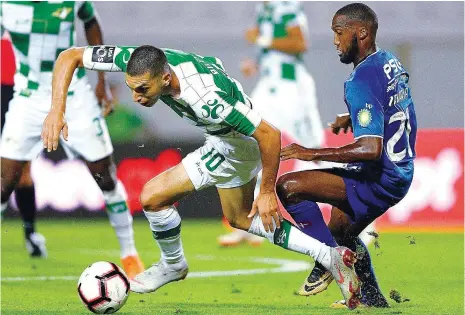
368	199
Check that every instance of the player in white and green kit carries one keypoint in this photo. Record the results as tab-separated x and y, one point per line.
238	142
40	31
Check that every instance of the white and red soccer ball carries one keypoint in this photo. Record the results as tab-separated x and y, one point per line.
103	287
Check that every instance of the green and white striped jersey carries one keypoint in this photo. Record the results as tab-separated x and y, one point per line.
40	31
273	20
210	99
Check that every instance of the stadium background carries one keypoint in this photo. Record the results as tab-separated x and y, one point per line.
427	36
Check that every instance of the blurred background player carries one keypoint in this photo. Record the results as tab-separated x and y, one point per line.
40	31
24	192
285	94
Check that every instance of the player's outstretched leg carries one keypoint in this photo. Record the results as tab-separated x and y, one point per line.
237	202
338	260
118	213
157	198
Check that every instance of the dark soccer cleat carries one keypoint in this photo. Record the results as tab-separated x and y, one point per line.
35	245
317	281
375	300
378	302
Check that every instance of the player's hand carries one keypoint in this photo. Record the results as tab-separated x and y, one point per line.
249	68
343	122
251	35
54	123
104	98
295	151
267	207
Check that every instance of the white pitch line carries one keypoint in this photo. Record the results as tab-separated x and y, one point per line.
285	265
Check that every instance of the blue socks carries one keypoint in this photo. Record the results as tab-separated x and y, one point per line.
309	220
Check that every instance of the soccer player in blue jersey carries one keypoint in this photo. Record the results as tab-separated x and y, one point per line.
380	160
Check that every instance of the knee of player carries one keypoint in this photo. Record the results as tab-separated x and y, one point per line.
285	189
104	181
149	199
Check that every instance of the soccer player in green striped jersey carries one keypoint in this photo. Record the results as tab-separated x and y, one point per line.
238	143
40	31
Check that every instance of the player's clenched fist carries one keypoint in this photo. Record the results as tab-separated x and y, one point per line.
53	124
343	122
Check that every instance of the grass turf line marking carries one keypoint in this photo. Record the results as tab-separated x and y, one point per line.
284	265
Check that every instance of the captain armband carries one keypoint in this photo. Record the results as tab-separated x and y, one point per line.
100	58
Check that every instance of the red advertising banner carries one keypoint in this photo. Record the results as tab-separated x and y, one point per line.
434	202
135	172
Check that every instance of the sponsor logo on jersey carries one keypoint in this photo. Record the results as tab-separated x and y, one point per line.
392	86
399	97
364	117
103	54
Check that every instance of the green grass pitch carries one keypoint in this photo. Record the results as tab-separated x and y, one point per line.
429	272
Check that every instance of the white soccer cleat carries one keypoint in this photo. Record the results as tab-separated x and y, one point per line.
35	245
157	276
342	269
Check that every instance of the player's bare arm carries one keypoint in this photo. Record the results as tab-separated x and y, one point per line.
363	149
269	142
293	43
55	122
102	92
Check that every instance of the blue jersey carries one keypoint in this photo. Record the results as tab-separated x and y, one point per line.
380	104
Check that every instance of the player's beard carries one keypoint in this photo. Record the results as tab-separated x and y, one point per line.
351	53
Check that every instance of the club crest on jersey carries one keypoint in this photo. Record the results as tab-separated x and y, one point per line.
364	117
62	13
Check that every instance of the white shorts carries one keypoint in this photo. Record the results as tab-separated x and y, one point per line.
88	135
291	106
224	162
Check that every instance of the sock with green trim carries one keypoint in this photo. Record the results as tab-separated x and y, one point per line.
120	219
166	229
291	238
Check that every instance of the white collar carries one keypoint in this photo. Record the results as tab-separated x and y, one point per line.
377	50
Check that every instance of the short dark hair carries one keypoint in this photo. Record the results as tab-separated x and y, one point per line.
362	13
145	59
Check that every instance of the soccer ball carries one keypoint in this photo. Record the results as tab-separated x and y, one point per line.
103	287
